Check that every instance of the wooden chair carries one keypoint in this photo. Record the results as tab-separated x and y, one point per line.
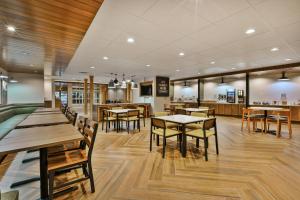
167	108
180	112
211	112
159	128
196	125
72	159
63	108
280	117
71	116
132	116
249	116
107	119
10	195
168	124
209	129
142	114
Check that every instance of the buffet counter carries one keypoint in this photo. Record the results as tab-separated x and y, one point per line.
98	109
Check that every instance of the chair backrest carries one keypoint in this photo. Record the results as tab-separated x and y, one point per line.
63	108
158	123
71	116
158	114
209	124
180	112
141	109
203	107
117	108
89	133
199	114
211	112
131	106
246	112
133	113
81	123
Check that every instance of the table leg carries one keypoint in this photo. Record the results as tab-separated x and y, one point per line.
44	173
118	123
183	141
265	120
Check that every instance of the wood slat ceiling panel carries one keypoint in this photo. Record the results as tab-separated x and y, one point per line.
47	32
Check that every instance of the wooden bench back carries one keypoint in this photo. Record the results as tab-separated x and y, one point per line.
209	124
158	123
89	133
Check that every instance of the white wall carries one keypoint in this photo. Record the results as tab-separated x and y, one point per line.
212	88
270	89
29	89
186	93
116	94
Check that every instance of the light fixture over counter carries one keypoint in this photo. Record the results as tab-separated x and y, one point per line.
283	77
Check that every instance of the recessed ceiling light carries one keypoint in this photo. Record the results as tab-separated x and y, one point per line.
105	58
233	68
181	54
11	28
148	65
199	73
275	49
212	62
130	40
177	70
288	59
250	31
31	65
92	67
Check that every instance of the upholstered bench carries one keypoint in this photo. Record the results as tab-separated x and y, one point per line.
11	195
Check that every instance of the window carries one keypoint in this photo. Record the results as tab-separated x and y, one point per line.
77	94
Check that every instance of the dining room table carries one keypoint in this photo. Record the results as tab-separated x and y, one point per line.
43	120
190	110
39	138
182	120
266	109
117	113
40	110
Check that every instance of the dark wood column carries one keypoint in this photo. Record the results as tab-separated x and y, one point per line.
247	90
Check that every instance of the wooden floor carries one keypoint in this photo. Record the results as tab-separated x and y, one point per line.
250	166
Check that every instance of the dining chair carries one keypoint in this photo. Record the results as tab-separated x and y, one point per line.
71	116
63	108
209	129
281	117
132	116
198	124
81	158
249	115
211	112
142	114
107	119
180	112
159	128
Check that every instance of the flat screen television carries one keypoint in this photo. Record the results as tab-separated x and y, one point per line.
146	90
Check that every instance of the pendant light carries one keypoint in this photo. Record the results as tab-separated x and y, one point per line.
12	80
123	84
222	81
116	81
283	77
2	75
111	83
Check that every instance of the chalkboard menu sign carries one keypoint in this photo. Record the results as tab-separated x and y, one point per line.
162	86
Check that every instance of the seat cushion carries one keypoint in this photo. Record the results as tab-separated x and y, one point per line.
65	159
129	118
169	132
9	124
199	133
11	195
195	126
171	125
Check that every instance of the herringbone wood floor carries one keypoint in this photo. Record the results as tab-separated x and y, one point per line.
250	166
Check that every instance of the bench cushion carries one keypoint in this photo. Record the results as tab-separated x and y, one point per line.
9	124
11	195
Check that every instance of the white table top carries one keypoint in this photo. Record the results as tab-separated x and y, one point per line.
195	109
182	119
118	111
266	108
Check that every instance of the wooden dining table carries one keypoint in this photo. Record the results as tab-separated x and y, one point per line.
182	120
43	120
39	110
195	109
118	112
39	138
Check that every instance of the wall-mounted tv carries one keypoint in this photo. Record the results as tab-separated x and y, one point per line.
146	90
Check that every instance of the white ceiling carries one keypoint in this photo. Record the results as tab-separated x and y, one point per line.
205	30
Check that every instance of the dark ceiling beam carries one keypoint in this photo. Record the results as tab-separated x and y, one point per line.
275	67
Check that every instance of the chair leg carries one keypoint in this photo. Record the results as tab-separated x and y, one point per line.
128	123
144	121
205	149
139	125
91	177
51	185
217	144
150	141
290	129
278	130
106	126
157	140
102	124
242	124
164	147
197	142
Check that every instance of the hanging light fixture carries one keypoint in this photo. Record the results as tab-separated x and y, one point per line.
123	84
222	81
116	81
111	83
2	75
12	80
283	77
134	85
